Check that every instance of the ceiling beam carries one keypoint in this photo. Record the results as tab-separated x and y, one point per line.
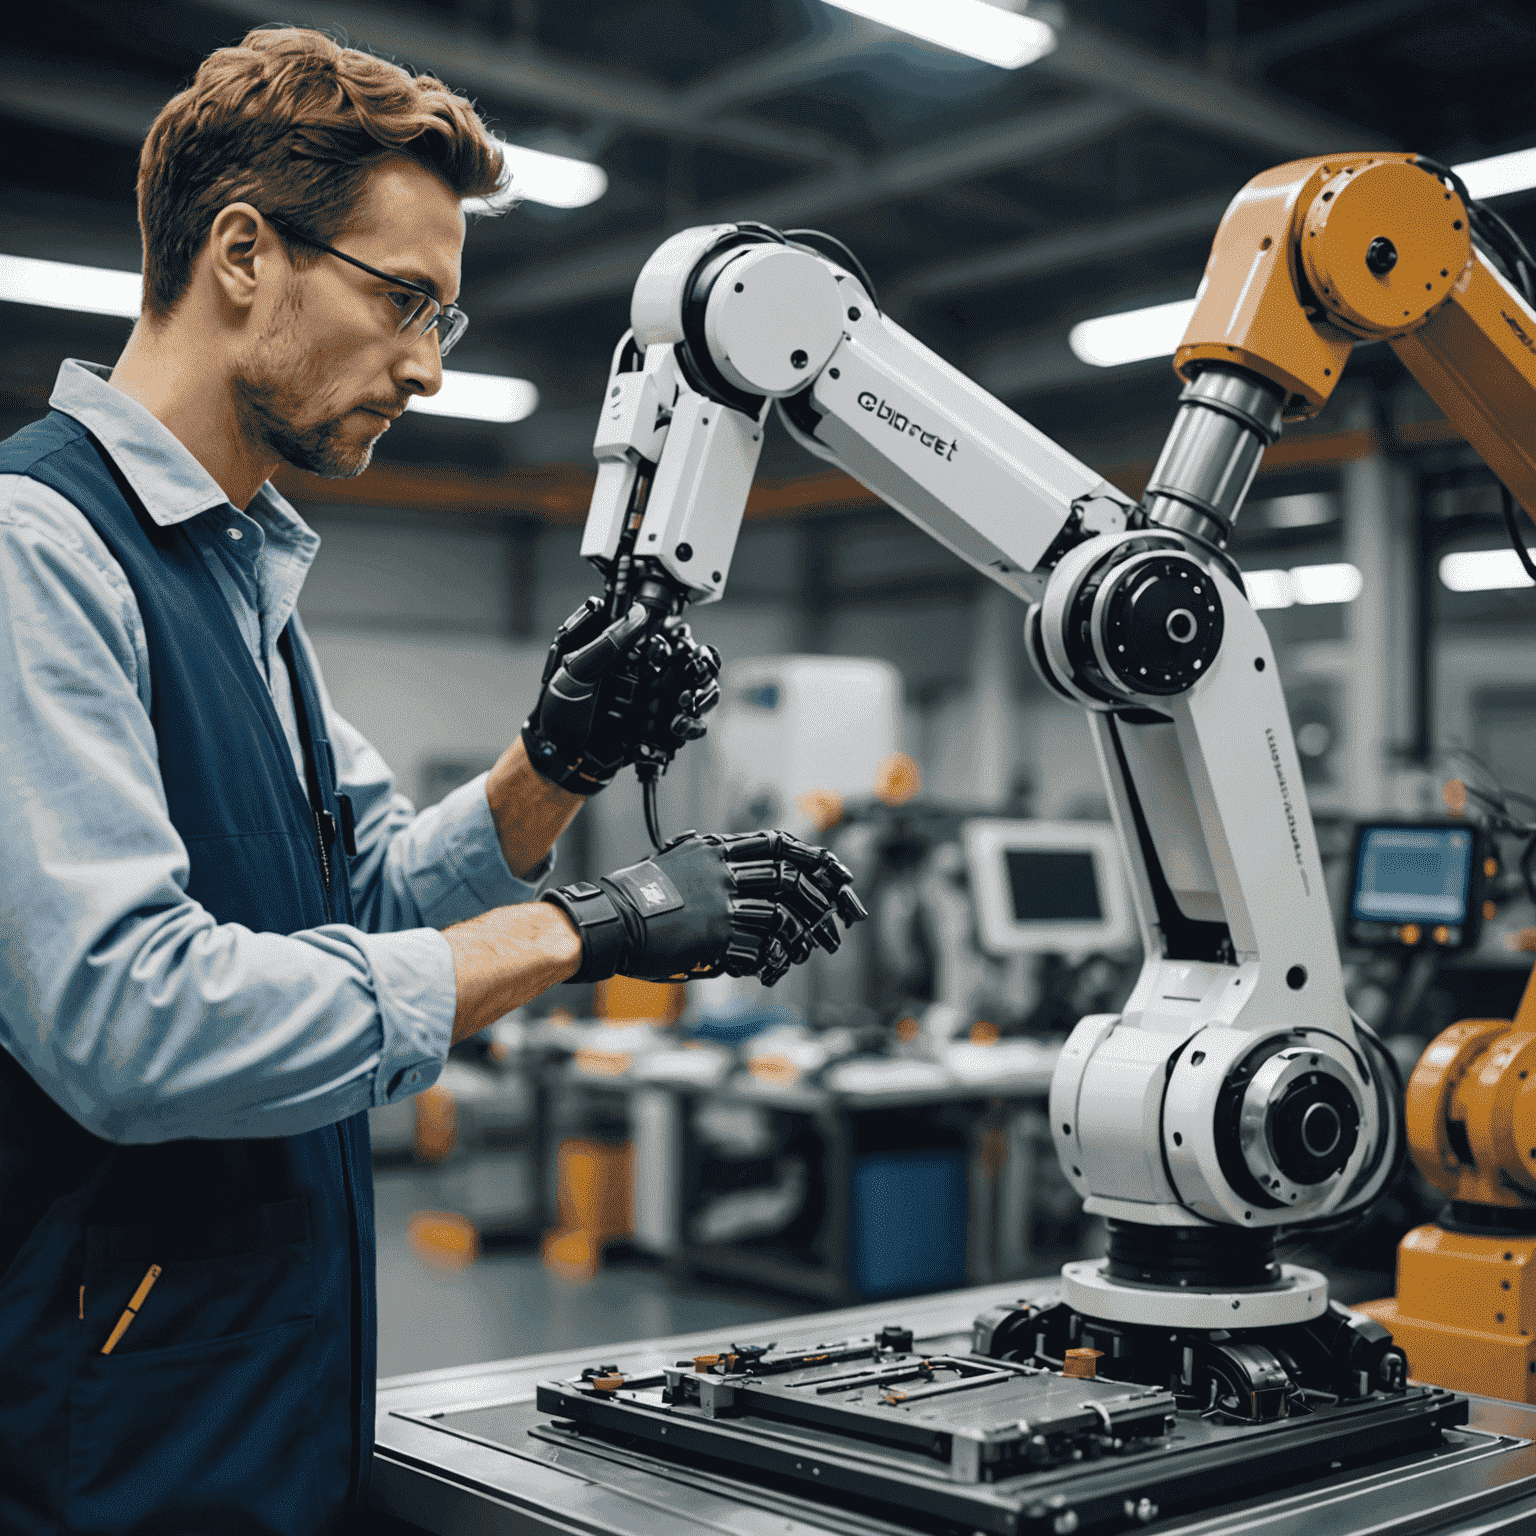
79	98
577	277
1016	367
1088	56
835	47
557	494
515	72
1128	235
1125	77
1337	25
1242	114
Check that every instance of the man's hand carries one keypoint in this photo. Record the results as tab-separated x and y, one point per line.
748	905
613	694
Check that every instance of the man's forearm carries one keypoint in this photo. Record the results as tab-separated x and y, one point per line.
529	811
506	957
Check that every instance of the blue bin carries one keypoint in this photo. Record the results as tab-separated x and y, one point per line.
909	1218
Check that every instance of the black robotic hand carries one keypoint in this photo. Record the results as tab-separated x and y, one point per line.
634	690
751	904
676	688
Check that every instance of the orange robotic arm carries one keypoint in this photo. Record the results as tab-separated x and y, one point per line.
1310	258
1318	254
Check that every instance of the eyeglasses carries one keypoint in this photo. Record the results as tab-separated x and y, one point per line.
416	318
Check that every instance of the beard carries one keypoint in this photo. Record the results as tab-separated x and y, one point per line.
325	448
272	396
321	448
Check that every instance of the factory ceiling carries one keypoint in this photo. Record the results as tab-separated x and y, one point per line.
993	208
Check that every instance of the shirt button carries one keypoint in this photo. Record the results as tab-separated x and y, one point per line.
234	533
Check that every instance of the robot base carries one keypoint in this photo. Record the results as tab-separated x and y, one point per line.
1298	1296
1210	1316
1465	1311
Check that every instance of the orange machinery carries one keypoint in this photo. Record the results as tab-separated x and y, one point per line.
1316	255
1465	1309
1310	258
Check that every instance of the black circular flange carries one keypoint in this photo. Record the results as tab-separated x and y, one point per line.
1228	1119
1163	624
1077	629
1313	1128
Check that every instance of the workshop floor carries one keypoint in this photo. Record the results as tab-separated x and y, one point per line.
507	1304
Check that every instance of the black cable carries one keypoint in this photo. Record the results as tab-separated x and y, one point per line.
1395	1098
1517	253
1496	796
1494	229
1496	232
1516	541
648	777
767	231
830	245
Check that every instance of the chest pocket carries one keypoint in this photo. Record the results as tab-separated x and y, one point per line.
206	1403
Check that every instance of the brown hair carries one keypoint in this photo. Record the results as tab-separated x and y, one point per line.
293	123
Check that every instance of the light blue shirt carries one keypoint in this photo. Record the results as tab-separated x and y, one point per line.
135	1011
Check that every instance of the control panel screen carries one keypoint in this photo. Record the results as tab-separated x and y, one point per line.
1413	875
1416	885
1053	885
1047	887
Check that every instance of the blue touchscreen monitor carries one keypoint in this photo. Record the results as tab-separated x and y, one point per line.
1413	884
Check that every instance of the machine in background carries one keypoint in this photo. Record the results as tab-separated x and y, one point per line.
1465	1308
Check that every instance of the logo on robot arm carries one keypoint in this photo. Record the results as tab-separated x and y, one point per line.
900	422
1287	807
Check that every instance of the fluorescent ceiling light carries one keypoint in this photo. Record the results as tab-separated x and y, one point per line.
1309	510
479	397
1269	589
1314	584
557	181
63	285
1307	584
971	27
1133	336
1483	570
1499	175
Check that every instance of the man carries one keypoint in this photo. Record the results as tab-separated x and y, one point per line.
225	936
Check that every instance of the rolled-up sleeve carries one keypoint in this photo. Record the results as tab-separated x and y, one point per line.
134	1009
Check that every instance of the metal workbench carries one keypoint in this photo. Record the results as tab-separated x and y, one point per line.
435	1474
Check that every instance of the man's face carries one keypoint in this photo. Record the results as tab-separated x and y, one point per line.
328	370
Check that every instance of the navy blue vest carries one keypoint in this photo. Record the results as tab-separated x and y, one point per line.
241	1399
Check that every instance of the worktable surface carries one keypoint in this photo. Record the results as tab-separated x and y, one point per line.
1482	1481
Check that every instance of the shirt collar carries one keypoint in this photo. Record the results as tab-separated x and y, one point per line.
168	479
170	482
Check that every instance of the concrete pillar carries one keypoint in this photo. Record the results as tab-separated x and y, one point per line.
978	741
1379	629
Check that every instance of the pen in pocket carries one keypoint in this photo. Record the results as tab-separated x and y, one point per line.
132	1309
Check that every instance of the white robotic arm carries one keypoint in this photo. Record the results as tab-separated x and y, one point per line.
1234	1090
729	318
